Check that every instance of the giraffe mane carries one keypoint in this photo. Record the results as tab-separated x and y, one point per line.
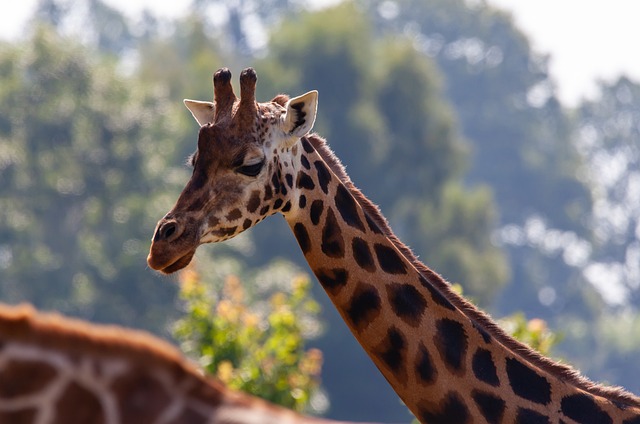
480	318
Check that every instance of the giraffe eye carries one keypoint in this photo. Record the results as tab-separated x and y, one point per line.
251	170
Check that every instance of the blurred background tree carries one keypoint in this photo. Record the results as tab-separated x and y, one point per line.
80	152
441	112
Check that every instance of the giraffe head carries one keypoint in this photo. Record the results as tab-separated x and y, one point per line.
239	168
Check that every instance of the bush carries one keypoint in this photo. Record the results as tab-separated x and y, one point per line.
253	346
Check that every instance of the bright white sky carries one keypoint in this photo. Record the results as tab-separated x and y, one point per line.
587	39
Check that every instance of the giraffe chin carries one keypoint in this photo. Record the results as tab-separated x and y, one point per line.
174	266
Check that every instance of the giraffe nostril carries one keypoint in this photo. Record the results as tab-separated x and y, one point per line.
166	231
169	230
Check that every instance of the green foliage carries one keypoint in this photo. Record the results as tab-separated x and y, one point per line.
256	347
534	332
80	185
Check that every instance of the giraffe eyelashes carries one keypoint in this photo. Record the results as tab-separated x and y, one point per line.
251	170
191	160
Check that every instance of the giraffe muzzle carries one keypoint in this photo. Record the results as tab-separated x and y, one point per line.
173	245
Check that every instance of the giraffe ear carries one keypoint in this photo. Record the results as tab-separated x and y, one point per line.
300	116
203	112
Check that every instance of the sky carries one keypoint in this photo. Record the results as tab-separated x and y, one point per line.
588	40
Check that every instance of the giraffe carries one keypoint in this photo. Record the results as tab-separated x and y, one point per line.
447	360
59	370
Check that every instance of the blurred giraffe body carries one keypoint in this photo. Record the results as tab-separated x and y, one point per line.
447	360
65	371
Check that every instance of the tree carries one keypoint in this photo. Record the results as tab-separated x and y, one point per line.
82	179
607	135
103	27
520	143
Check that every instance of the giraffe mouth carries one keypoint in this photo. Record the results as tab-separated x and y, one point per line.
169	267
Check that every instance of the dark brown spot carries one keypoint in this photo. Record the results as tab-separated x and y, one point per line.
214	221
527	383
305	181
583	409
364	307
302	201
451	409
407	302
140	397
392	352
225	231
275	182
529	416
78	405
362	254
286	207
22	378
306	146
234	214
277	204
254	201
451	341
424	366
389	259
268	192
305	162
289	179
246	224
303	237
264	210
324	176
316	211
491	407
333	280
332	242
484	368
348	208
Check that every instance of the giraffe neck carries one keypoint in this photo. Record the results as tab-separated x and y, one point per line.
58	370
446	359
